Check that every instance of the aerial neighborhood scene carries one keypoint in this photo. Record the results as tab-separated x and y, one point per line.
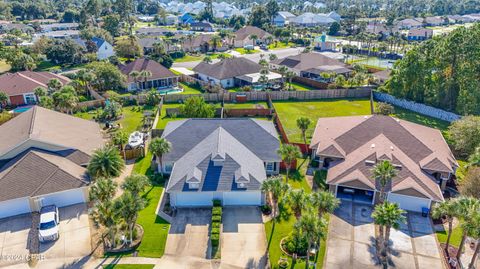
334	134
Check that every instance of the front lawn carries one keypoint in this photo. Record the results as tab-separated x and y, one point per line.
245	51
188	58
289	112
129	266
275	232
455	239
280	45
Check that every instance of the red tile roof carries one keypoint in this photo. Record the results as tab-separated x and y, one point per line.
26	81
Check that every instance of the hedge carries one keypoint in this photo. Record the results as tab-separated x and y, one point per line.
216	218
215	238
217	211
215	224
217	203
215	230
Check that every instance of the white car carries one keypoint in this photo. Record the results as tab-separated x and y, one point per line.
48	229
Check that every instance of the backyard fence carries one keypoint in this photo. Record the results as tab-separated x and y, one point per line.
248	112
311	82
135	153
190	79
416	107
275	96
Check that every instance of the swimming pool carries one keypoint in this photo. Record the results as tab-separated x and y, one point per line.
21	109
170	91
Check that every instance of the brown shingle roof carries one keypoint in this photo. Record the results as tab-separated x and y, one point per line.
312	60
37	172
158	71
412	147
26	81
228	68
247	31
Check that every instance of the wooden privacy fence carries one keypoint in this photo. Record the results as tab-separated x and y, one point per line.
135	153
248	112
275	96
311	82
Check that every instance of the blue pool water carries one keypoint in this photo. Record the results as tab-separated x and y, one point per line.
21	109
170	91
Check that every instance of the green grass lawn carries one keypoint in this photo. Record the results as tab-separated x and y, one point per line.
405	114
132	118
244	51
245	105
301	87
163	120
280	45
129	266
289	112
188	58
4	67
190	89
275	232
455	239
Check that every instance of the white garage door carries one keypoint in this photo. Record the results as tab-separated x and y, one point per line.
194	199
64	198
242	198
14	207
409	203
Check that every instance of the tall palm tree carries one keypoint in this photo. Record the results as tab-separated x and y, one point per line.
129	205
102	190
216	42
474	232
135	76
254	38
289	153
120	138
297	201
54	85
159	147
135	184
145	74
447	209
313	228
283	71
106	162
107	215
387	215
276	190
65	100
467	207
40	91
303	123
289	75
383	173
324	202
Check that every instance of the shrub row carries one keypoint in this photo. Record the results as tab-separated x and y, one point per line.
216	220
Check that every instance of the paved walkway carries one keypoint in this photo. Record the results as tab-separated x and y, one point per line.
351	228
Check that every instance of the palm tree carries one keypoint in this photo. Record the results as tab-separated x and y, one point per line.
383	173
135	184
276	190
474	232
129	205
3	99
159	147
290	75
303	123
297	201
207	59
283	71
106	162
254	39
272	57
447	209
135	76
65	100
54	85
387	215
107	215
313	228
145	74
289	153
120	138
467	207
324	202
40	91
216	41
102	190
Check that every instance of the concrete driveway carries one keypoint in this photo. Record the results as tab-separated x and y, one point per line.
351	238
243	242
188	235
74	241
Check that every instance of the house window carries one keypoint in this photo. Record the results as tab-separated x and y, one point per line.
168	168
193	185
269	166
241	185
30	98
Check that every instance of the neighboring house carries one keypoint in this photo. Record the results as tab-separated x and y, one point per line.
224	159
283	18
161	77
434	21
103	49
309	19
148	43
458	19
419	34
7	27
63	34
312	65
43	160
334	15
322	44
350	147
380	28
232	72
201	43
171	19
186	18
409	23
382	76
153	31
243	37
20	86
58	27
201	27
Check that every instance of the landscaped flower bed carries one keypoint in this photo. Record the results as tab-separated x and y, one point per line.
216	229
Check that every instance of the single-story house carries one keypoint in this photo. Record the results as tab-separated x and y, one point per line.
311	65
201	43
61	34
148	43
20	86
321	43
201	27
382	76
309	19
380	28
232	72
43	159
161	77
153	31
350	147
7	27
186	18
409	23
435	21
419	34
283	18
224	159
59	26
102	48
243	37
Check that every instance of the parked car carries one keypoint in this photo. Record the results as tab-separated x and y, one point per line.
48	228
264	47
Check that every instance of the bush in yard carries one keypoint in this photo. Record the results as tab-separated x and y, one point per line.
215	238
216	218
385	109
215	224
215	230
217	211
217	203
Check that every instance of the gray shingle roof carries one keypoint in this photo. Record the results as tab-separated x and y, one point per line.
244	144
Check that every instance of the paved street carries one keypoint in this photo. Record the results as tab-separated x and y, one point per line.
351	238
281	53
